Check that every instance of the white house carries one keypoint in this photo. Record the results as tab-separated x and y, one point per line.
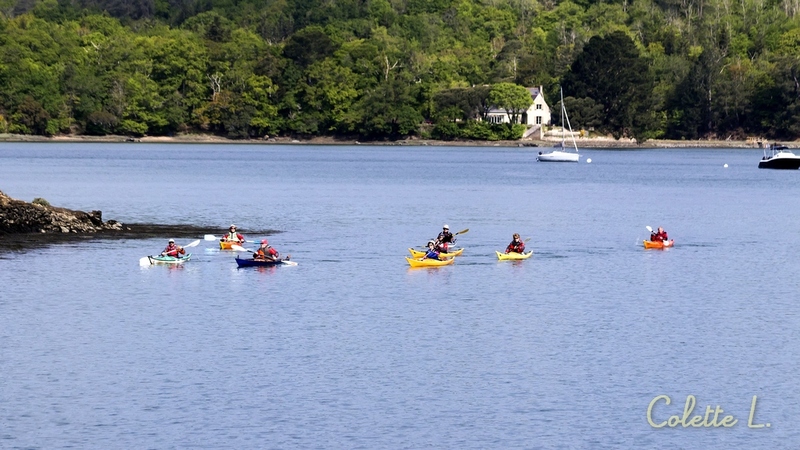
537	115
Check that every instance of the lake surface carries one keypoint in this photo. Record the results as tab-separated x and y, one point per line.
352	349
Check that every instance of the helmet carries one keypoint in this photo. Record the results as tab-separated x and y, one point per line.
264	241
446	227
431	243
172	241
232	226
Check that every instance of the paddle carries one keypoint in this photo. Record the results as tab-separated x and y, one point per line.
239	248
146	260
649	228
211	237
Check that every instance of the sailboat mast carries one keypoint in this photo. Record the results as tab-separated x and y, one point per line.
563	131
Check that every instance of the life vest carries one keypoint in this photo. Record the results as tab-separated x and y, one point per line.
173	250
269	251
516	247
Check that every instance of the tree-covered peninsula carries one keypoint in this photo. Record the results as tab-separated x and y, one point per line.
386	69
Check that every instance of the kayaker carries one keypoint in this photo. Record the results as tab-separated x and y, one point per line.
432	253
516	245
444	239
266	252
173	250
232	235
659	236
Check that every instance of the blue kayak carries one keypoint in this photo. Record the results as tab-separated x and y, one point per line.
256	262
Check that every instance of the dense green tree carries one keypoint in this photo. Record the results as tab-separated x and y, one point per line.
689	109
309	45
611	72
386	111
245	68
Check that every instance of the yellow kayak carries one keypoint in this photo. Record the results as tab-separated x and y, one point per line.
420	254
429	262
226	245
513	256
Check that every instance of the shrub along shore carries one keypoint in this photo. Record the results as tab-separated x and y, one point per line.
596	142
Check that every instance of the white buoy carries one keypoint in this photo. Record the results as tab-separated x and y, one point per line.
725	166
589	161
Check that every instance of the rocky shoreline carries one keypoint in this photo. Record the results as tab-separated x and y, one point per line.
24	225
17	216
591	143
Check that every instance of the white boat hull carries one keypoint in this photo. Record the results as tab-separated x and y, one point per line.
558	156
780	160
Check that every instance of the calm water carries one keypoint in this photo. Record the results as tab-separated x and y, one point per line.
352	349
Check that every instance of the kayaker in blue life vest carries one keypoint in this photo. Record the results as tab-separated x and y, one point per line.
173	250
444	239
432	253
266	252
659	236
232	235
516	245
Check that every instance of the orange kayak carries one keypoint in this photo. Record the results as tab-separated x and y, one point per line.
656	244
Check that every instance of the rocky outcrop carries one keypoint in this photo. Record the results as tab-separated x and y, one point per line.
17	216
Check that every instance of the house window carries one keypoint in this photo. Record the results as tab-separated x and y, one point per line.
538	120
538	106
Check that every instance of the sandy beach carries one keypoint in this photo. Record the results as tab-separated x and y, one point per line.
594	142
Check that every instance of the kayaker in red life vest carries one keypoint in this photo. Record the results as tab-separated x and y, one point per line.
232	235
516	245
173	250
266	252
444	239
432	253
659	236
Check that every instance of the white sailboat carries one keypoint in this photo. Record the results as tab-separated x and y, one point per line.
560	153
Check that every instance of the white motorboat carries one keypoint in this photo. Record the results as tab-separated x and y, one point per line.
560	153
778	156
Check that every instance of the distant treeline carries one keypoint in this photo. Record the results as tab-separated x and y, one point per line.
385	69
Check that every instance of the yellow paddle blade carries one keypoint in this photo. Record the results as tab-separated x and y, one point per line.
462	231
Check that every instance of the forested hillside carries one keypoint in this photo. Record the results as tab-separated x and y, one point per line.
384	69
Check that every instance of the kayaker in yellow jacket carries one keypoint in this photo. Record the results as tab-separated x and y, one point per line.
232	235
